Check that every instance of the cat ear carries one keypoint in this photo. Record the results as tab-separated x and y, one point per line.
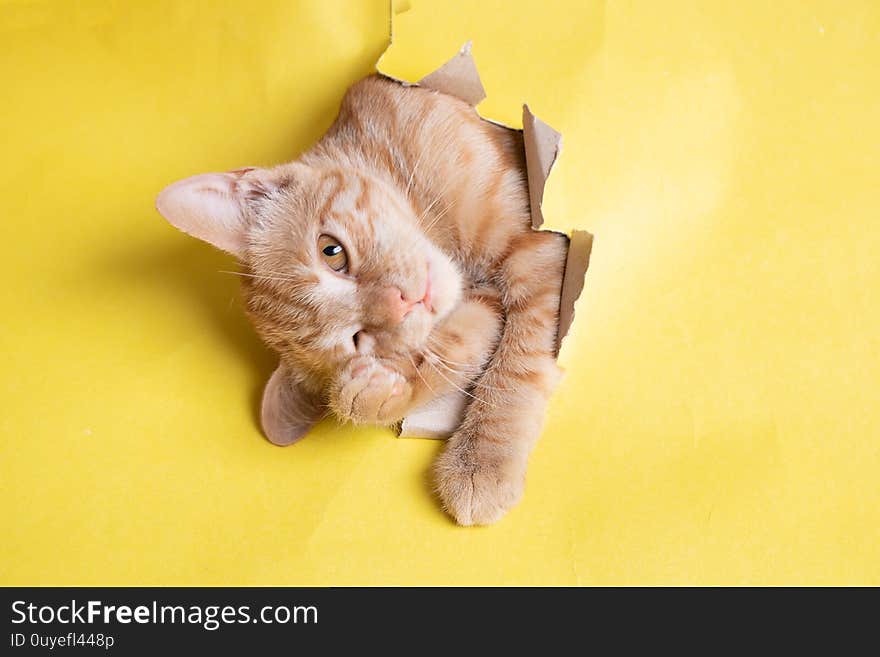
287	413
212	206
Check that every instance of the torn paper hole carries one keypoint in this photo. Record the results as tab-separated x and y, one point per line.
459	77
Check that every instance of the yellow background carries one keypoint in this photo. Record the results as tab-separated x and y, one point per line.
719	422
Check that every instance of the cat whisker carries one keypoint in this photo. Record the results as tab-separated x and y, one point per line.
454	385
472	372
424	380
257	276
412	175
449	360
429	207
465	370
437	218
435	341
286	274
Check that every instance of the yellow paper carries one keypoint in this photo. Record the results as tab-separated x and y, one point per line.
719	422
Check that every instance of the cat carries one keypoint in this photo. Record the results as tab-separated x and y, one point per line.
391	263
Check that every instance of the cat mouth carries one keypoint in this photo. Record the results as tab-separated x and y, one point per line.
442	290
426	299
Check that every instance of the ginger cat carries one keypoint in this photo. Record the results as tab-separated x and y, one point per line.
392	263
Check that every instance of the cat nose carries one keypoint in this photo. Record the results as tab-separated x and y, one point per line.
397	304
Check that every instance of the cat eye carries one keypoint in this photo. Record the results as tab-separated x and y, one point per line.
333	253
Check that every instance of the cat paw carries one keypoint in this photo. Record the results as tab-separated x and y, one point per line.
477	491
370	393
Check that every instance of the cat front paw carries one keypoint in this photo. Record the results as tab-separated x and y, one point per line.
477	488
370	393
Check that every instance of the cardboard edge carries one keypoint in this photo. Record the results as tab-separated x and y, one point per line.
437	419
543	145
580	247
458	77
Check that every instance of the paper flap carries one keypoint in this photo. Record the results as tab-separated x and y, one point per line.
438	419
542	144
458	77
579	248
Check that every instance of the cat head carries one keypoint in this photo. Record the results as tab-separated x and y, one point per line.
335	265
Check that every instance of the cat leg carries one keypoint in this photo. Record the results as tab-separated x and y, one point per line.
367	389
459	349
481	473
383	391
